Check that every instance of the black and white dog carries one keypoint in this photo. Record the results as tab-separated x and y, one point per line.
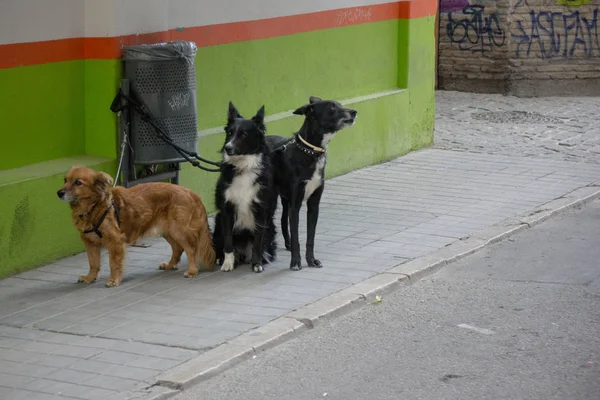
299	165
246	198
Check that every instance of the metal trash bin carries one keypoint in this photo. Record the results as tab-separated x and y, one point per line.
163	78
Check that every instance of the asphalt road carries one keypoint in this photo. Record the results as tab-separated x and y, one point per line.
520	320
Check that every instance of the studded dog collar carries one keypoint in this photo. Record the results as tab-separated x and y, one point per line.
306	147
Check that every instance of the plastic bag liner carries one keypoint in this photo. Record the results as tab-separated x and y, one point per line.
178	49
162	76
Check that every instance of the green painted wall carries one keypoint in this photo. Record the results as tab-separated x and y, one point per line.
102	80
41	113
35	226
421	81
283	72
371	60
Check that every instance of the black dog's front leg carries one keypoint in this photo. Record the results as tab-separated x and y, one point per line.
257	250
295	204
285	208
217	238
227	227
312	205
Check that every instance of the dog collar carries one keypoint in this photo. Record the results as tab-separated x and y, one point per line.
306	147
96	228
313	147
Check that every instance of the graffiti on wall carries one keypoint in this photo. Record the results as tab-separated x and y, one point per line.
475	30
447	6
354	15
558	34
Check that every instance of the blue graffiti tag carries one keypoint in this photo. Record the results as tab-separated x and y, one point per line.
580	32
477	33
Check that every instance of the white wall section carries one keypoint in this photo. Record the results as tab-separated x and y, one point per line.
36	20
39	20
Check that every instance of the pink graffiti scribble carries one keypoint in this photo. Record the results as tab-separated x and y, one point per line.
453	5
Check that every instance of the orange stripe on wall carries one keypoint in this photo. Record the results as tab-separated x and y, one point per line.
24	54
32	53
421	8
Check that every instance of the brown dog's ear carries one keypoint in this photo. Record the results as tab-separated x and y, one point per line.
103	182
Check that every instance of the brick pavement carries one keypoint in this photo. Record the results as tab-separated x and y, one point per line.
59	339
557	128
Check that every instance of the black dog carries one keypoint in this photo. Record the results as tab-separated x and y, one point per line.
245	196
299	165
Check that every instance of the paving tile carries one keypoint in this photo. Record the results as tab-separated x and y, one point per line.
31	370
76	351
8	380
159	364
18	394
114	357
112	383
259	302
132	373
56	361
71	376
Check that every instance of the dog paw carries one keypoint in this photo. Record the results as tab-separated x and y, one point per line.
296	265
227	267
190	274
86	279
111	283
288	246
257	268
314	263
228	262
166	267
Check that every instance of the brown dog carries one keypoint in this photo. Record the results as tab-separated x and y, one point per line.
115	217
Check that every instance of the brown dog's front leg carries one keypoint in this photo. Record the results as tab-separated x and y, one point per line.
116	255
93	253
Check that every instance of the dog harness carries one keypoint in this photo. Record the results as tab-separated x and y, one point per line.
96	228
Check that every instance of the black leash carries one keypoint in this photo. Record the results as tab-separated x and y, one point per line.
190	156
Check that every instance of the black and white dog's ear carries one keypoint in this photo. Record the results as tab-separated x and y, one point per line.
307	108
304	110
259	118
232	113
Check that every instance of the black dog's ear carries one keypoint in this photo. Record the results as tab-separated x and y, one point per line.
304	110
232	113
259	118
314	99
102	183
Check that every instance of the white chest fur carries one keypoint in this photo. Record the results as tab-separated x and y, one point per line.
315	181
242	193
326	139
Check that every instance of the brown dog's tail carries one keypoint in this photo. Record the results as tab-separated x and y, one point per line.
206	252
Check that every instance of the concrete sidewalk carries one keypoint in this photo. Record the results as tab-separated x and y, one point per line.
57	336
